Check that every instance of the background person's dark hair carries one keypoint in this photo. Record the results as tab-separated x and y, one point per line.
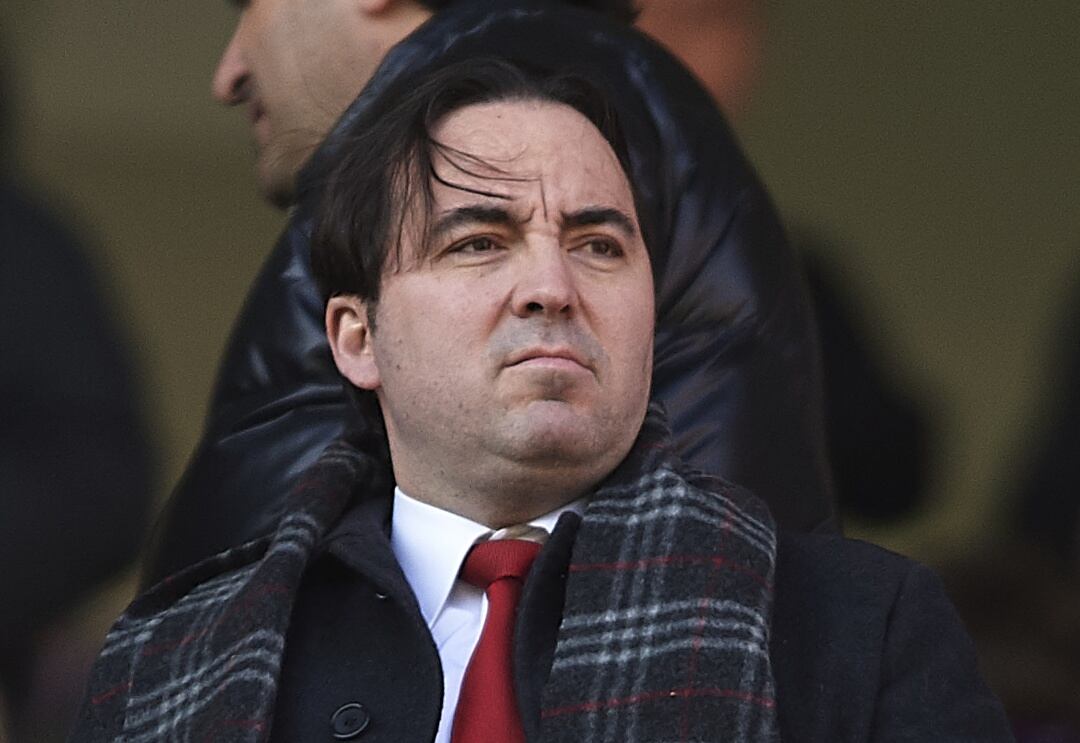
623	11
386	164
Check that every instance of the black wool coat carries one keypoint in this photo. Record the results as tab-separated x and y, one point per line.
865	646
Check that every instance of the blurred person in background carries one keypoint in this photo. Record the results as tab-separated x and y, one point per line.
721	41
75	462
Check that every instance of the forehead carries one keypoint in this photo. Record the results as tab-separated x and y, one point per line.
527	151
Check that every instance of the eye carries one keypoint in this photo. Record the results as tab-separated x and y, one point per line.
474	246
604	247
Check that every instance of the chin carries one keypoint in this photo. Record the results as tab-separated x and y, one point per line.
554	431
276	181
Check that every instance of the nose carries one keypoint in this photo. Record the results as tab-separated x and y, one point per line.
547	286
232	76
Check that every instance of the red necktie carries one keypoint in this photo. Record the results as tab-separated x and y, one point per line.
487	710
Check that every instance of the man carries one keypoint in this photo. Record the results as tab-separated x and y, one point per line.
488	281
735	356
297	66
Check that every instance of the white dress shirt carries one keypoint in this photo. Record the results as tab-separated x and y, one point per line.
431	544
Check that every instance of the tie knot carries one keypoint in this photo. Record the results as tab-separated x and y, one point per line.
493	560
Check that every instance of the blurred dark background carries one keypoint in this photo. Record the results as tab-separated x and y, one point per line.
931	151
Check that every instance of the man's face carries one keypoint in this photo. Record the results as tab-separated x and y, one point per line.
518	353
297	64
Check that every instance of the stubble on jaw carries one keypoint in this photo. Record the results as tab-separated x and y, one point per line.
277	166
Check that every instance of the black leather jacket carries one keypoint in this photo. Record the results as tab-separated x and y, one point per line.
736	357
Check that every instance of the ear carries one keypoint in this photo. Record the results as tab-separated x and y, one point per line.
350	339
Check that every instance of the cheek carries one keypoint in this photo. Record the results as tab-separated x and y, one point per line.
630	319
435	325
628	341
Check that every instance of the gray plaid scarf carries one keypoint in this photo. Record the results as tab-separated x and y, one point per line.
664	635
665	630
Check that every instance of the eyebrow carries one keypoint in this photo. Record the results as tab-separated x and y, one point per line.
472	215
599	215
494	215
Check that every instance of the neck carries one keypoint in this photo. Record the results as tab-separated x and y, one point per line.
512	502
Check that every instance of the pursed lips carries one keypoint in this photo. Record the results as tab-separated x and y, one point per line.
553	357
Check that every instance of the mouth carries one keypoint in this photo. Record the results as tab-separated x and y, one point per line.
257	119
554	358
255	112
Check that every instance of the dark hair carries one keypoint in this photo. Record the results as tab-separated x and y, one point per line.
623	11
386	163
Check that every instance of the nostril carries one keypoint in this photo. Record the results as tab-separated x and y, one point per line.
534	307
240	88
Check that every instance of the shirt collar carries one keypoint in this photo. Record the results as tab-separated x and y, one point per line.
430	544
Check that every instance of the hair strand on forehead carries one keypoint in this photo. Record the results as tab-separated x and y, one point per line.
384	181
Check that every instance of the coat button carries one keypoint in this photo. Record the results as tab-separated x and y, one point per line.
349	721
